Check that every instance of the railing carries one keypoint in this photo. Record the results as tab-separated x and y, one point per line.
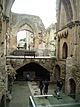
23	53
53	101
35	52
31	102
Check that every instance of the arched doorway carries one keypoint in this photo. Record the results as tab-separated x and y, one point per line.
57	73
64	50
35	70
72	88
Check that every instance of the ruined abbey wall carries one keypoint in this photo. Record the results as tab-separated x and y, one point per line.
68	38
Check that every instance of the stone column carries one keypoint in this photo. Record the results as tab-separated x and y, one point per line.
75	41
57	47
3	53
2	58
2	49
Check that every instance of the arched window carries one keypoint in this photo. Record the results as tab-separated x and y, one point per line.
64	50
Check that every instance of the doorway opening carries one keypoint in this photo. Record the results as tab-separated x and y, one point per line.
72	88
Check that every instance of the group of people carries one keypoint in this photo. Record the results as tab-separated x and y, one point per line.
43	86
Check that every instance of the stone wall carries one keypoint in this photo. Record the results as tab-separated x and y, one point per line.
4	20
68	27
46	63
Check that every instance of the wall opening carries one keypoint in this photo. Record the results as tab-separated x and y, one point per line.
35	71
72	88
64	51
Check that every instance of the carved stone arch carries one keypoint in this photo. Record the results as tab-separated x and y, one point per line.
40	71
68	9
26	27
28	22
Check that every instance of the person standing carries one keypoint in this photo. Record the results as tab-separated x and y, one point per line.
28	77
41	86
46	84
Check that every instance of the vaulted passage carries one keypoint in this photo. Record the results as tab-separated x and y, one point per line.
35	71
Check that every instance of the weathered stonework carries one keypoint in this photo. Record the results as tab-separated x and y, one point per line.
67	37
46	63
68	26
50	39
3	28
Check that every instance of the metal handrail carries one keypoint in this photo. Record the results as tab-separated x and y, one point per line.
31	101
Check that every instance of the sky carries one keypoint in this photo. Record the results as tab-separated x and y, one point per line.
21	35
45	9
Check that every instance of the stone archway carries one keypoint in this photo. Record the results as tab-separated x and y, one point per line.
35	70
72	87
64	50
57	73
27	22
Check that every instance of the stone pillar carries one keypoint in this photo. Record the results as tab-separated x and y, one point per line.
57	47
2	49
2	59
3	76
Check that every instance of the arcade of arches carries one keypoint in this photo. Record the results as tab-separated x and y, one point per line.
67	63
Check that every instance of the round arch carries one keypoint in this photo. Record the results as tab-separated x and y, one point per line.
35	70
72	87
64	50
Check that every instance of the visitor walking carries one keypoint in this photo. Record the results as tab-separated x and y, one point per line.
59	85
